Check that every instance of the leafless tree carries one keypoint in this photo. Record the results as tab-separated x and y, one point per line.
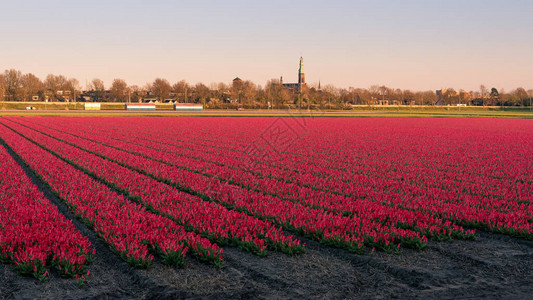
383	91
408	97
249	91
97	86
522	96
137	93
202	93
161	89
221	91
31	86
2	88
13	85
182	89
530	95
503	97
56	87
374	93
273	90
73	86
118	91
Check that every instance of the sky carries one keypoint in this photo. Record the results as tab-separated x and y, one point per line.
416	45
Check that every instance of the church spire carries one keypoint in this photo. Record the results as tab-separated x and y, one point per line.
301	75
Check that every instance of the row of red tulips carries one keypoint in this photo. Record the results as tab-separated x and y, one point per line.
344	232
365	169
209	219
379	210
500	205
369	165
126	227
34	236
465	203
428	225
470	142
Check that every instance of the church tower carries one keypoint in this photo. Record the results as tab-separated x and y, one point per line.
301	75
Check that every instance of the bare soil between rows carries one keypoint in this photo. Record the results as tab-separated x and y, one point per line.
494	266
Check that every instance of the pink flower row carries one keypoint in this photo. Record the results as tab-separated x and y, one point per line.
128	228
467	202
482	188
206	218
34	236
337	230
428	225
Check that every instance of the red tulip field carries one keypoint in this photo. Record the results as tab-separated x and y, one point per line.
267	207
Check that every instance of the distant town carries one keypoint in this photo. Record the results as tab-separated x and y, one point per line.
241	93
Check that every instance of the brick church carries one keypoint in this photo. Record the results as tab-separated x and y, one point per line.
297	87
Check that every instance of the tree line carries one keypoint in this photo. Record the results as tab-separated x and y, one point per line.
15	86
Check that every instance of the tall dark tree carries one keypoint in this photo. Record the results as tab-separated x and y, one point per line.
483	92
494	96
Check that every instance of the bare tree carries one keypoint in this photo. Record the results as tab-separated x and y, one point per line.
503	97
530	94
98	88
13	84
330	94
161	89
31	86
181	88
522	96
426	98
221	91
363	96
249	91
374	93
273	92
2	88
408	97
286	96
383	90
51	85
202	93
118	91
137	93
73	86
451	97
56	86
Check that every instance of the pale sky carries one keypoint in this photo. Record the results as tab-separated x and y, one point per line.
418	45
